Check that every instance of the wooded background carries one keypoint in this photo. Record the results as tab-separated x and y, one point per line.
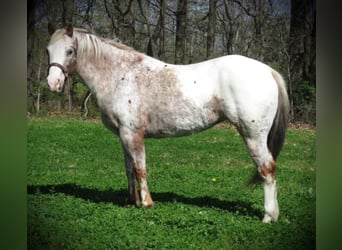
280	33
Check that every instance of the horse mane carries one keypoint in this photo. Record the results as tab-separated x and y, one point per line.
89	42
118	44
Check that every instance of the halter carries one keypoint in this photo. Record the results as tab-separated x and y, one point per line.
61	67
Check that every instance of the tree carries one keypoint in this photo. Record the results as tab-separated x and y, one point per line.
302	51
302	39
149	32
211	29
31	19
159	31
122	19
162	28
181	23
256	10
68	11
229	26
67	18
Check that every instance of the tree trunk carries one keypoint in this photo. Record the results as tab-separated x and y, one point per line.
31	19
301	46
70	93
149	49
229	29
297	37
122	20
310	43
38	80
68	12
256	10
211	29
181	23
258	19
161	51
302	40
158	36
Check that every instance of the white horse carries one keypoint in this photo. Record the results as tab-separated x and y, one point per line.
142	97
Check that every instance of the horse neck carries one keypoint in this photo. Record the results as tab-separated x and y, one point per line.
94	68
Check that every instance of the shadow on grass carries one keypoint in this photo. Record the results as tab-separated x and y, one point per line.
118	197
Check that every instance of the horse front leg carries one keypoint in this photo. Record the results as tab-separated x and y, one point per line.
133	196
133	143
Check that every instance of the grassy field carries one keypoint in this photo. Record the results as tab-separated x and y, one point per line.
77	190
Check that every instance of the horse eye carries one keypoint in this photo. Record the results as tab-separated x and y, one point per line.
69	52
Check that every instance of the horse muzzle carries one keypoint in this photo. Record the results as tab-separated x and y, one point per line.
56	83
57	76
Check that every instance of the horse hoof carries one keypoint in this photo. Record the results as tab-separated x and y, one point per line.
268	218
148	205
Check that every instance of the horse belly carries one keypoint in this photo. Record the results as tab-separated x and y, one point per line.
183	118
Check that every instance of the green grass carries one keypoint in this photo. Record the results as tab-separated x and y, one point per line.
77	191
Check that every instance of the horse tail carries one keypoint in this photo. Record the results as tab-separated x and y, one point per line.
276	136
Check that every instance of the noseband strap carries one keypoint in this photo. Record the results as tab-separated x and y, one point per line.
60	66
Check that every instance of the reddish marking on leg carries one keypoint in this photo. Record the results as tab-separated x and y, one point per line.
138	140
140	175
268	169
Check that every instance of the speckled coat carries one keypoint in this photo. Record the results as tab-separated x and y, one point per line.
143	97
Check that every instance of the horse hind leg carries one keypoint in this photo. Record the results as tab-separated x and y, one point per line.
267	171
257	147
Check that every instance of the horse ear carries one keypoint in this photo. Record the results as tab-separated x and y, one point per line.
69	30
51	28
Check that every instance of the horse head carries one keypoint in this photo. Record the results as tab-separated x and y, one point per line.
62	56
